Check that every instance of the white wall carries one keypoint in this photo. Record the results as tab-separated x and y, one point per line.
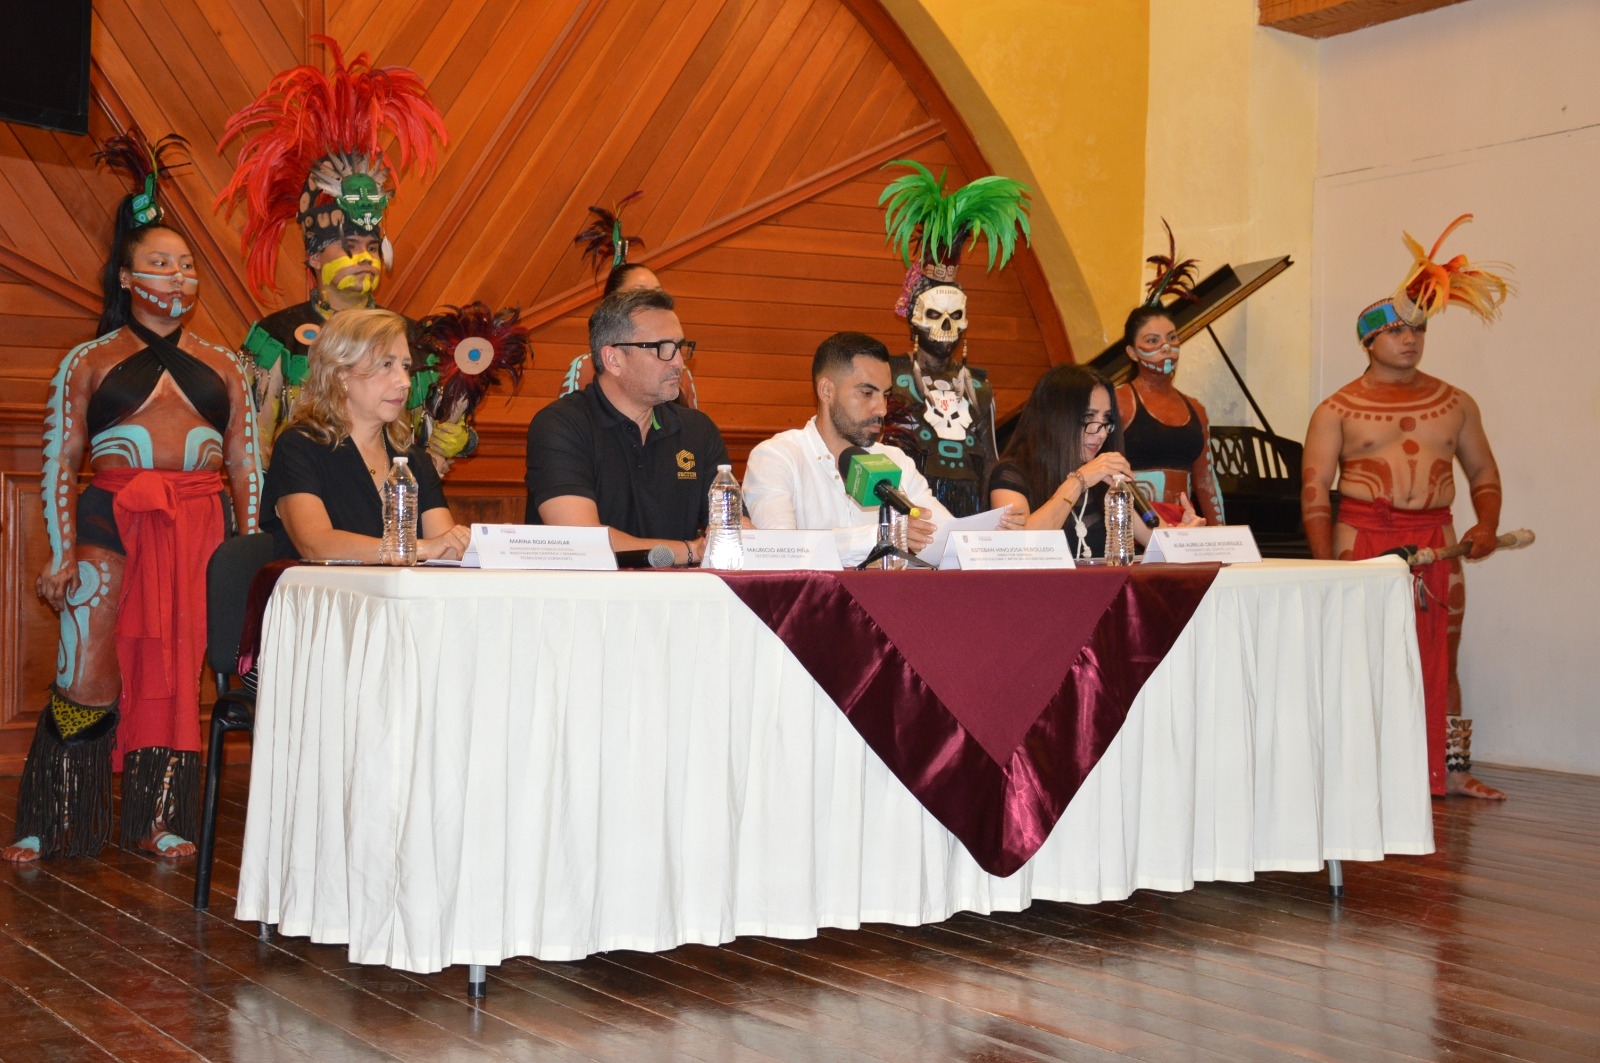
1494	108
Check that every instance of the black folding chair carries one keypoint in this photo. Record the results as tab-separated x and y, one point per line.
229	573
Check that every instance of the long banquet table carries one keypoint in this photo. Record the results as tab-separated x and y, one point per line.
459	766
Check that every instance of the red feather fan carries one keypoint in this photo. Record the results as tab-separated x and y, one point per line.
305	115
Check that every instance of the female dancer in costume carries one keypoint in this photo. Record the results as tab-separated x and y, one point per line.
324	489
164	417
1165	432
1065	450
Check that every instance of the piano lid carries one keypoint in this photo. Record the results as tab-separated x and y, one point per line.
1220	291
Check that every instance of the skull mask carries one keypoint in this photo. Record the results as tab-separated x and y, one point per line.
938	322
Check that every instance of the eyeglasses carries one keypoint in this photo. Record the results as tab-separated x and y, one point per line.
1096	428
665	350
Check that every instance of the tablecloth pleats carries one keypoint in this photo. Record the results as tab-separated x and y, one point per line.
455	767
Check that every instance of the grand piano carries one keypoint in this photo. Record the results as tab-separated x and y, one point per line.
1257	469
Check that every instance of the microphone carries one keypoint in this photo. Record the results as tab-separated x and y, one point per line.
874	478
1147	508
658	556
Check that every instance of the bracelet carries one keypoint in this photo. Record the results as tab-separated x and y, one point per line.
688	552
1083	485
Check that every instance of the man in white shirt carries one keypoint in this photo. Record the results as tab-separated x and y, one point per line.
792	480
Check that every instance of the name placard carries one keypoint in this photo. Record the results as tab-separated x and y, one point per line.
536	546
1229	544
1007	549
935	552
777	551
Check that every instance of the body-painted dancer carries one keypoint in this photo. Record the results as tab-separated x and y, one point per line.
165	420
1165	433
1393	435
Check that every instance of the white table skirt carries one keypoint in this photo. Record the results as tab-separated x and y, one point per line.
460	766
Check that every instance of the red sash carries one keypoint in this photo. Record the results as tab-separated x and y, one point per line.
170	522
1379	527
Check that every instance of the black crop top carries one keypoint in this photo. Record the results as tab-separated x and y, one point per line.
1153	444
129	383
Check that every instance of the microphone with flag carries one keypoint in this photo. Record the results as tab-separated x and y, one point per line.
873	479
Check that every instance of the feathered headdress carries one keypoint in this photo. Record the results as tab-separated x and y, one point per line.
146	163
314	153
467	349
1173	277
1430	288
604	245
938	226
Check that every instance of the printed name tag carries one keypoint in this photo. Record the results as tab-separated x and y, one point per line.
540	546
1229	544
1007	549
775	551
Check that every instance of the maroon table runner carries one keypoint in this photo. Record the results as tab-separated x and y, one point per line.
990	695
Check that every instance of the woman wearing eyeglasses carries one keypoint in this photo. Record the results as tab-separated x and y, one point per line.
1165	432
1065	450
324	494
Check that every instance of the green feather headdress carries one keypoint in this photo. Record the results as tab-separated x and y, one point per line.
920	216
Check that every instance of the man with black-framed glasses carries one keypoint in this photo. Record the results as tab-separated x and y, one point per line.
620	452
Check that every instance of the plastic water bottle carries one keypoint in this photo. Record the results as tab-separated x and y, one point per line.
1120	506
897	535
724	541
399	515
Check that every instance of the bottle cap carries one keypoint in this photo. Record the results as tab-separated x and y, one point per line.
724	468
401	459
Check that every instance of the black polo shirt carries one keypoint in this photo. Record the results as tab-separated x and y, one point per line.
582	445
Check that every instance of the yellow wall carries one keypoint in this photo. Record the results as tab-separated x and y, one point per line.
1121	112
1230	162
1055	93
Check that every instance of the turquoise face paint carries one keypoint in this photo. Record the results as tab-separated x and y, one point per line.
155	291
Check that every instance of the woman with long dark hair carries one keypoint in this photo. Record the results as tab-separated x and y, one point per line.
1066	449
1166	437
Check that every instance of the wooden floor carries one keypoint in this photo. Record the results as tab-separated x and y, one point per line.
1487	950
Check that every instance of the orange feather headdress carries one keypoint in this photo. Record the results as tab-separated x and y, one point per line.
1431	287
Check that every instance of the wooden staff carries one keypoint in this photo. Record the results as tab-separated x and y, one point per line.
1426	555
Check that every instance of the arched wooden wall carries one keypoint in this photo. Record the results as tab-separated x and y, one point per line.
756	129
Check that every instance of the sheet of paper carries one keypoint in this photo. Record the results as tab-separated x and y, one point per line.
935	551
536	546
1010	549
776	551
1229	544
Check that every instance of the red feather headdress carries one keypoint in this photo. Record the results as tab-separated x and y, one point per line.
469	347
308	124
